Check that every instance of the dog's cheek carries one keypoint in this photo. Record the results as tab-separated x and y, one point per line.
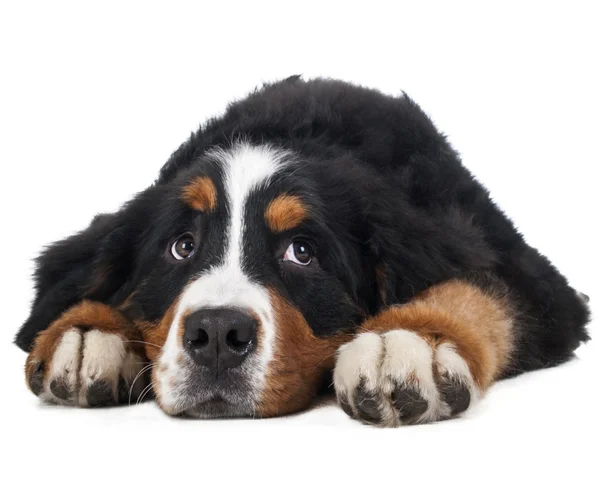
291	383
285	394
299	363
155	334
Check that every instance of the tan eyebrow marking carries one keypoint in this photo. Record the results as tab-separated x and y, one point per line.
201	194
284	213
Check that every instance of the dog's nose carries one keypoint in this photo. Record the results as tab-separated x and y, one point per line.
219	338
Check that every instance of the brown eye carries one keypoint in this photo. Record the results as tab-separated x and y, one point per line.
299	252
183	247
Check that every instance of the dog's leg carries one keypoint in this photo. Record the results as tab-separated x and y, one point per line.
426	360
90	356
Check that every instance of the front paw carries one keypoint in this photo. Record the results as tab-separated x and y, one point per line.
85	367
399	377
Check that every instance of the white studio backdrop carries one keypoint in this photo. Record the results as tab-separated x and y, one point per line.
94	97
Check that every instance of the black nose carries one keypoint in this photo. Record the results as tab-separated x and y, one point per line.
219	338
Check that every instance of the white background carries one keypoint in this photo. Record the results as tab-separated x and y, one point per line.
93	99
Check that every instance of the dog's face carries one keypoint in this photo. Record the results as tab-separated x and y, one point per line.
249	275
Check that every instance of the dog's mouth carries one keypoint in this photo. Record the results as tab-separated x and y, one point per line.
195	394
219	407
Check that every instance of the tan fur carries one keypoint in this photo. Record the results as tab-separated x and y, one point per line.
479	324
299	362
284	213
155	333
201	194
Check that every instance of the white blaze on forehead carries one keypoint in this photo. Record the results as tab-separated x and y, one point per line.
246	168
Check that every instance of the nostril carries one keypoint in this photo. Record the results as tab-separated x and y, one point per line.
199	339
219	339
238	340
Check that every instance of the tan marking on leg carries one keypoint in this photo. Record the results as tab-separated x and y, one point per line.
479	324
85	315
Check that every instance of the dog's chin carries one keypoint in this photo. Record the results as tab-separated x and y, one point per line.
219	408
197	392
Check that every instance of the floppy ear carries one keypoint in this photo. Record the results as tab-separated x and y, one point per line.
92	264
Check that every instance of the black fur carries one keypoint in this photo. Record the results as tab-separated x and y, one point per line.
386	192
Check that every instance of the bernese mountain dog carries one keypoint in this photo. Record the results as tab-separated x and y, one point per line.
316	235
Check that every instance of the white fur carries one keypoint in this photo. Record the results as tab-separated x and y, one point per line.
79	360
246	168
103	356
356	359
65	362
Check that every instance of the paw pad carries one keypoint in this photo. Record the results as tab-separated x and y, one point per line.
60	388
409	403
455	393
367	403
100	394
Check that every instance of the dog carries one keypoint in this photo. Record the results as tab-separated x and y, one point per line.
317	234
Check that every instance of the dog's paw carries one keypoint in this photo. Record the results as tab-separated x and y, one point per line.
399	377
85	368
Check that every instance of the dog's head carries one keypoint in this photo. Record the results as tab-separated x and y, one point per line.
247	265
249	272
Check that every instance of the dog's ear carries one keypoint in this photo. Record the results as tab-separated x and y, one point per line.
93	264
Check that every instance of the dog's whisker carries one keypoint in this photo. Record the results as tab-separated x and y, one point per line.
142	371
144	393
142	342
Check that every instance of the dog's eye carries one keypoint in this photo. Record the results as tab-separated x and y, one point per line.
183	247
299	252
